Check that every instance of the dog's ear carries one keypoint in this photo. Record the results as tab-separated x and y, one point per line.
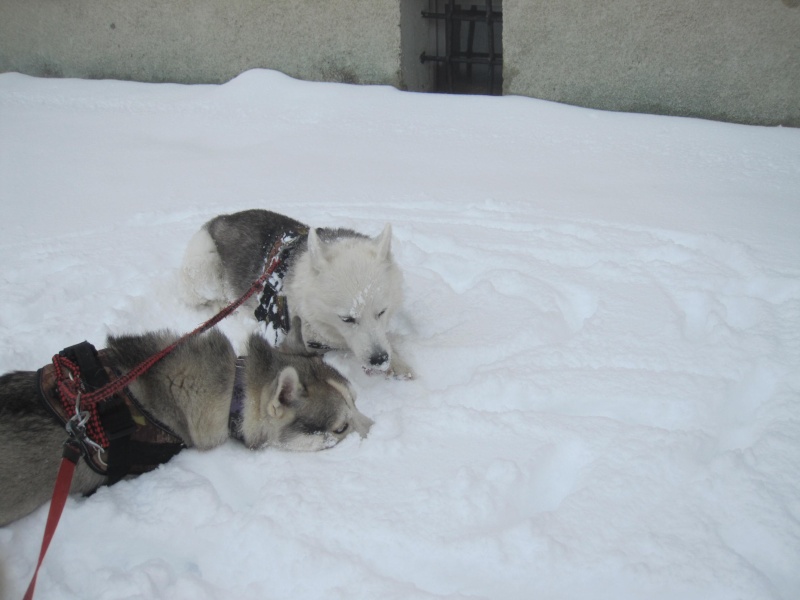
384	242
284	394
316	250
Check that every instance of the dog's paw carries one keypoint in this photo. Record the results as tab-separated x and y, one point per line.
398	369
404	376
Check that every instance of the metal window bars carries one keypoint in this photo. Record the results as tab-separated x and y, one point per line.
472	59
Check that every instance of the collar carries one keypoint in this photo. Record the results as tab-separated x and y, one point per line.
318	346
272	308
236	415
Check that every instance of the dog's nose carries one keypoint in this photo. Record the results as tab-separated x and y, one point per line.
378	359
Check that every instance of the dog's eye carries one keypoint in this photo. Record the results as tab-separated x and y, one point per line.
380	314
348	319
341	429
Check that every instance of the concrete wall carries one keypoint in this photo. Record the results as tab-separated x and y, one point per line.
202	41
734	60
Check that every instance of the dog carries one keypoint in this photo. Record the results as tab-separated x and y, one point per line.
286	401
333	289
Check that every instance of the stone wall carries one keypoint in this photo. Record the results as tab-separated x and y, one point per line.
734	60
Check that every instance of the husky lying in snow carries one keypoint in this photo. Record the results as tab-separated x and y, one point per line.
291	402
333	289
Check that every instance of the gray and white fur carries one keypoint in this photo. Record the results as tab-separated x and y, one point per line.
342	287
290	402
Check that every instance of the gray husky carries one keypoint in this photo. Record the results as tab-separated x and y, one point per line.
198	396
332	289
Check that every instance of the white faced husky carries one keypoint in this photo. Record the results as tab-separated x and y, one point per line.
198	396
336	289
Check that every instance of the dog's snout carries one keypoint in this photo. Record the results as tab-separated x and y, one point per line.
378	359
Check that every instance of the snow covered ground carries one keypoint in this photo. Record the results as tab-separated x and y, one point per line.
603	310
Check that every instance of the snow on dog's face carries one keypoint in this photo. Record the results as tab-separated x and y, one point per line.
356	289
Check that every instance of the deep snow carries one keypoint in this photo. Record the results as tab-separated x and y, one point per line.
603	310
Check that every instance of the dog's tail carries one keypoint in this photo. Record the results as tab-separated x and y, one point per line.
201	272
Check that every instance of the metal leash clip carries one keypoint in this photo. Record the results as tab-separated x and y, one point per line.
76	428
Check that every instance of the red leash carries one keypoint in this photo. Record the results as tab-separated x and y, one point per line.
70	457
72	449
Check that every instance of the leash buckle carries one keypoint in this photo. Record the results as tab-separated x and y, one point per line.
76	428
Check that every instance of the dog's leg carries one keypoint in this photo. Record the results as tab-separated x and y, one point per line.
399	369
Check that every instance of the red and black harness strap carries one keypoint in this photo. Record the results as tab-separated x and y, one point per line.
117	436
110	424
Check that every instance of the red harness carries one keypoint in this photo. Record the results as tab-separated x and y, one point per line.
117	436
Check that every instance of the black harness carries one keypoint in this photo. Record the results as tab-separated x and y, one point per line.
272	308
122	437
